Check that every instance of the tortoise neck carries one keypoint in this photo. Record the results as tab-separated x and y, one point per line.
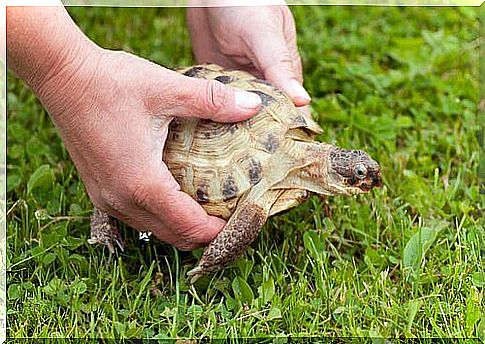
311	168
319	152
314	176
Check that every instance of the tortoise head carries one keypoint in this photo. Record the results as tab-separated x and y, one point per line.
352	171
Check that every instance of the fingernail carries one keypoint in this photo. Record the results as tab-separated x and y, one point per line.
247	100
298	93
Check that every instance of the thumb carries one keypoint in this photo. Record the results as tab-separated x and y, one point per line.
211	99
280	66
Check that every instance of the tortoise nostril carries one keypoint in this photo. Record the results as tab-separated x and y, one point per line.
376	181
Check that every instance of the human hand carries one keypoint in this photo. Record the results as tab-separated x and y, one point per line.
258	39
115	132
112	110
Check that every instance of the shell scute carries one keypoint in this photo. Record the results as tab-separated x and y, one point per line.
218	163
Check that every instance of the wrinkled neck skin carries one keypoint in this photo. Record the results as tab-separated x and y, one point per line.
310	172
316	175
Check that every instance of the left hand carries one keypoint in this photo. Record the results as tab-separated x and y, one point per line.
258	39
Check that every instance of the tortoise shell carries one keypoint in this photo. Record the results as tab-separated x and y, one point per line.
215	163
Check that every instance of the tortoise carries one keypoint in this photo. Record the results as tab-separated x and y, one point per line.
248	171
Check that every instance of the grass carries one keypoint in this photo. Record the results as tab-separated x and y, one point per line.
405	261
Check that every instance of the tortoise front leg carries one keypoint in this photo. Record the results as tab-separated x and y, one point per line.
104	230
240	231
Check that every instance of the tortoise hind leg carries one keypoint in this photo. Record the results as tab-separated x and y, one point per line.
104	230
240	231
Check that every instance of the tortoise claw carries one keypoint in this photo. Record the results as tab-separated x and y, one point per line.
110	244
119	242
195	274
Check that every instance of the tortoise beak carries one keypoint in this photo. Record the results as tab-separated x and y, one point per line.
373	180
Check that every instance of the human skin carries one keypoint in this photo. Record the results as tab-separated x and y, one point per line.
112	110
258	39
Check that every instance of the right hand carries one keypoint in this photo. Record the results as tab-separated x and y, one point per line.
258	39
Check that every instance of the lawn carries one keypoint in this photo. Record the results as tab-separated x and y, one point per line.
405	261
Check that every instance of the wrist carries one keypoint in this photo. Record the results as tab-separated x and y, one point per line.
70	63
68	75
45	47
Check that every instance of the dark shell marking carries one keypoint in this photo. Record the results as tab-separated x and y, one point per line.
266	99
193	72
271	143
175	129
229	188
298	120
264	82
175	125
232	127
261	81
255	171
202	193
215	130
225	79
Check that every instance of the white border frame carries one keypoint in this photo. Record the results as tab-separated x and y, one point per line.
180	3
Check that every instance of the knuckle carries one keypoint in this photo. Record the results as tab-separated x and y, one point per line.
285	61
216	97
284	65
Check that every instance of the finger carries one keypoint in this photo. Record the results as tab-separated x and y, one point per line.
134	216
205	50
289	30
306	110
295	56
190	223
143	220
182	221
177	95
279	67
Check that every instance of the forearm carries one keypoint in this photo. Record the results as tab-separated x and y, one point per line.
44	45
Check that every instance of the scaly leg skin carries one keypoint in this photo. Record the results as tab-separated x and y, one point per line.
104	230
240	231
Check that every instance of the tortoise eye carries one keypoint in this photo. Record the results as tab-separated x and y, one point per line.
360	171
